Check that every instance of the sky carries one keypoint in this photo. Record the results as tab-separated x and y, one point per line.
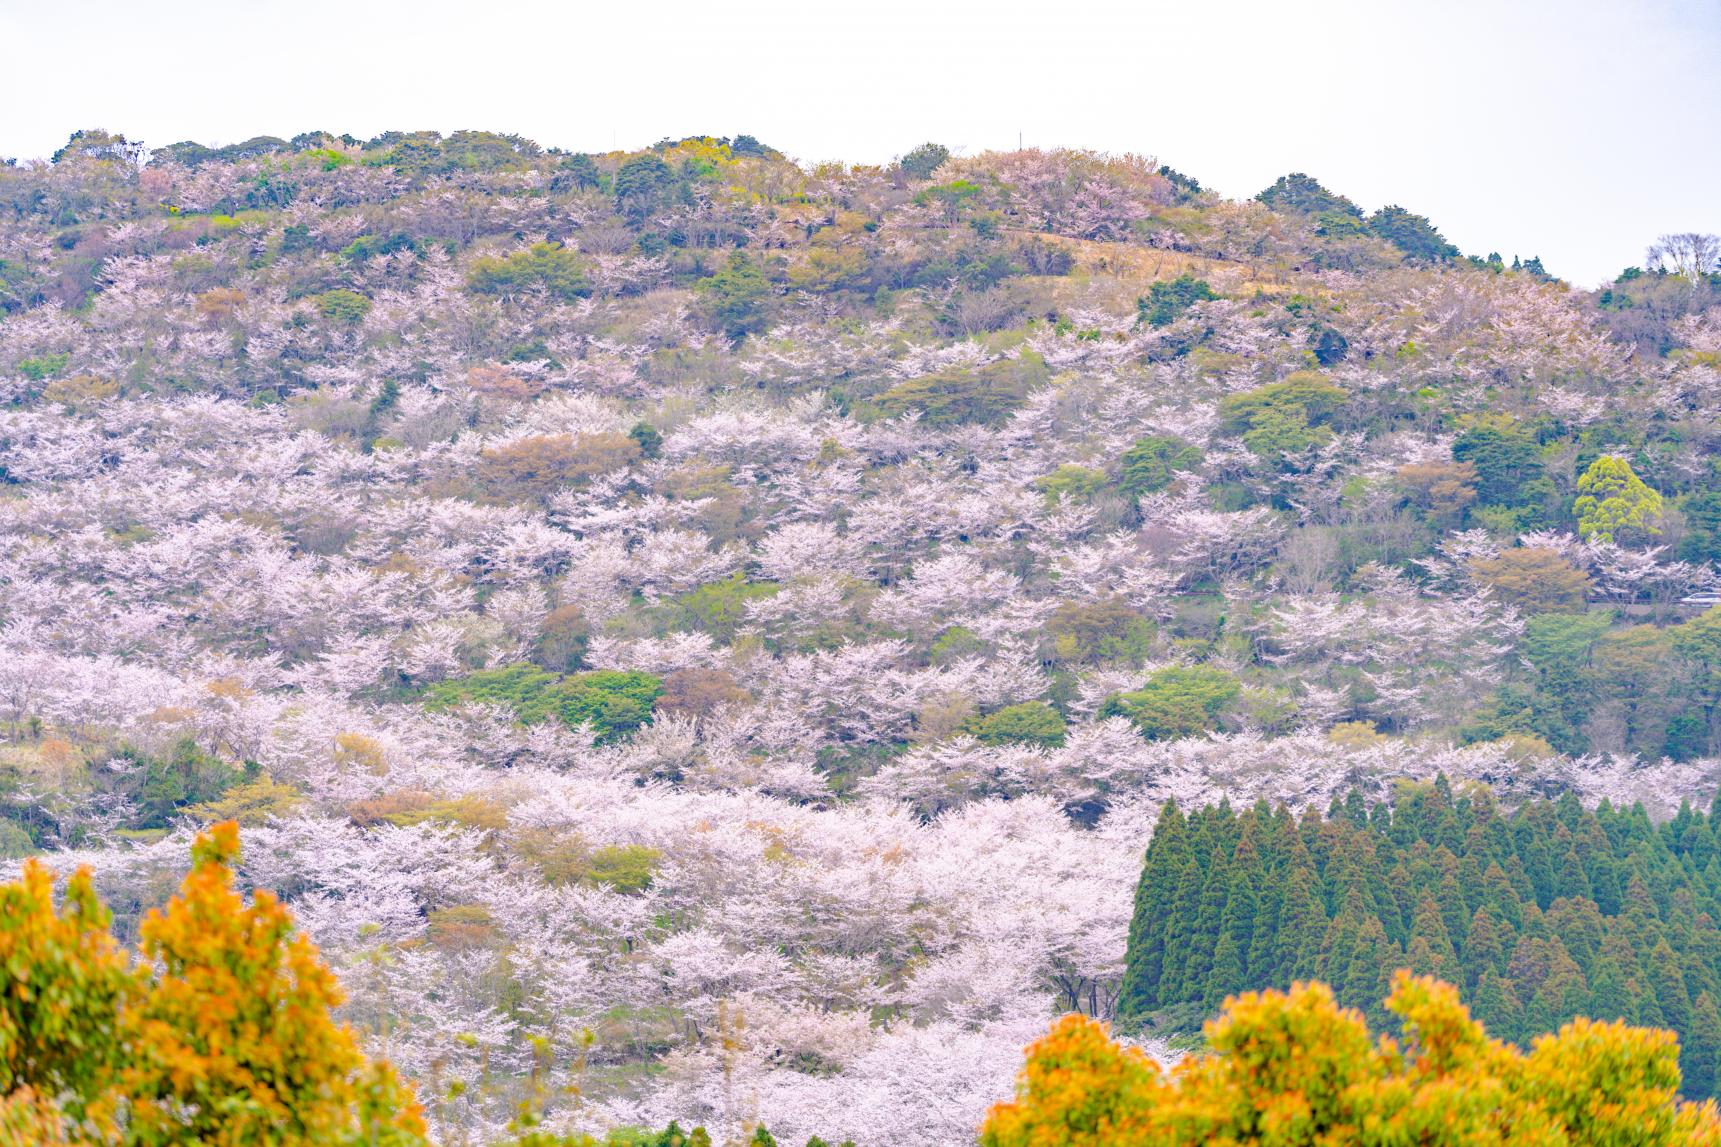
1576	130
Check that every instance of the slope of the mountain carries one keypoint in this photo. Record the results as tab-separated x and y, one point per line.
752	612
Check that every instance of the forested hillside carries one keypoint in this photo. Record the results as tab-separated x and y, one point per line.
717	632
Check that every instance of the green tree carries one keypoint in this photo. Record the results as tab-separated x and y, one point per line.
1536	579
1505	460
1285	417
1613	503
641	183
1070	483
1305	195
648	438
612	702
1236	925
1431	952
1702	540
1153	463
1177	702
1167	855
736	300
549	267
719	607
579	171
1412	234
342	306
924	160
1167	300
1700	1049
187	776
984	395
1030	723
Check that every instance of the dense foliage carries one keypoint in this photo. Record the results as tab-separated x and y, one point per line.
1297	1069
1541	915
751	612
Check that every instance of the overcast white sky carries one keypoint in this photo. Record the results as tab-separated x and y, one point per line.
1573	129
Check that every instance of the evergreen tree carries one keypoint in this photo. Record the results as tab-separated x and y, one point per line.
1570	880
1236	926
1262	958
1204	940
1455	910
1180	934
1485	949
1668	984
1610	995
1700	1048
1154	896
1302	926
1497	1006
1429	931
1498	894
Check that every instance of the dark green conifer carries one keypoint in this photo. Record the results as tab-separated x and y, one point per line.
1204	937
1571	880
1485	947
1430	930
1498	1008
1700	1049
1180	933
1610	996
1302	925
1155	893
1668	984
1236	923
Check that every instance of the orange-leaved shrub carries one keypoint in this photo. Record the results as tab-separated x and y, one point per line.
219	1034
1292	1069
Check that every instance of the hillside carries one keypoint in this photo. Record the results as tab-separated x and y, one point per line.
754	612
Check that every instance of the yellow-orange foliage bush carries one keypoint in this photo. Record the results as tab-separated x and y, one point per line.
221	1035
545	463
1290	1069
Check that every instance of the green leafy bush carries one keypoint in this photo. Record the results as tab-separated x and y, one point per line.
1166	301
1070	483
612	702
719	607
1177	702
1153	462
1032	723
43	366
1412	234
736	300
984	395
1283	418
162	787
1093	631
1505	458
342	306
549	267
1614	504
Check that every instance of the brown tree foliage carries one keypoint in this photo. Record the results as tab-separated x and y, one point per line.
1534	579
542	464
